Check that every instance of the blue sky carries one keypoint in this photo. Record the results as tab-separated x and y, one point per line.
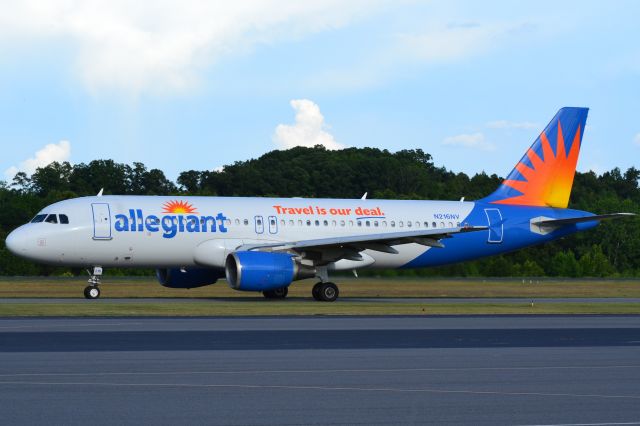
182	85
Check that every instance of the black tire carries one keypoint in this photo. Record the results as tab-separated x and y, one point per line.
91	292
268	294
278	293
329	292
315	292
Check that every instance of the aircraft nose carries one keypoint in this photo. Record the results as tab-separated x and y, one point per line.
16	242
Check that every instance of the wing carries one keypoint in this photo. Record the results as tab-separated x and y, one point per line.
325	250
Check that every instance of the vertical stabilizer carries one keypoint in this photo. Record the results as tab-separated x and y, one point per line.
544	175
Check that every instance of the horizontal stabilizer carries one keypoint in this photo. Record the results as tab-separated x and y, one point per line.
572	220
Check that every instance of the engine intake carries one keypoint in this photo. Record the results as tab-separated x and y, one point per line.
263	271
190	278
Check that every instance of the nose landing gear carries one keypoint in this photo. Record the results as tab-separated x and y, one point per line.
92	291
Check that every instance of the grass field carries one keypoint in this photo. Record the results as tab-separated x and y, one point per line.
220	300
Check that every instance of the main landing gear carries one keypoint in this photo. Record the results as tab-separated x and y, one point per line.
92	291
278	293
325	292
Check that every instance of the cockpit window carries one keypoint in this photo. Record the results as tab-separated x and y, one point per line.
38	218
52	218
63	219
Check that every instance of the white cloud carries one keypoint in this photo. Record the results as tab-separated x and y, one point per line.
162	46
308	130
452	42
504	124
52	152
434	44
469	140
636	139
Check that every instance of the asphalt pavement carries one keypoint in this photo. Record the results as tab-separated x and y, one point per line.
480	370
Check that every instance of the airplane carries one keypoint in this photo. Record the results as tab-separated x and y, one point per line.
264	244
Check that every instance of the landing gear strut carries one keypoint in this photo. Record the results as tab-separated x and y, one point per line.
92	291
278	293
325	292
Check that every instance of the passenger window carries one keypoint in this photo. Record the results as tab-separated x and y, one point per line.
317	223
375	223
334	223
38	218
259	222
237	221
246	222
409	224
393	223
283	222
434	225
350	223
52	218
368	223
426	224
291	223
308	223
417	224
359	223
272	222
400	224
300	223
450	224
441	224
325	223
342	223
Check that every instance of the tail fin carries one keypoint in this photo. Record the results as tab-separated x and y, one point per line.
544	176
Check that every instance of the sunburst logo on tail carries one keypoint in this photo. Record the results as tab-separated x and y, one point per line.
544	175
178	207
549	179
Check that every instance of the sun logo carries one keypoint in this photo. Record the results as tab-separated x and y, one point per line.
178	207
548	179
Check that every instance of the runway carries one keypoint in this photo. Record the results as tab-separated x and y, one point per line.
481	370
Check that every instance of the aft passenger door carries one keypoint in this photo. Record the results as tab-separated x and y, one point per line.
496	227
101	221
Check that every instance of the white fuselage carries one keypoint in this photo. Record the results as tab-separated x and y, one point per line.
154	231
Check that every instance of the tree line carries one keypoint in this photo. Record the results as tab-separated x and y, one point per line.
610	250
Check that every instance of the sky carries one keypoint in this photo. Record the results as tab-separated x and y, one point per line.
194	85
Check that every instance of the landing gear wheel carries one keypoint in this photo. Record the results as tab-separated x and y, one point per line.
315	292
329	292
278	293
91	292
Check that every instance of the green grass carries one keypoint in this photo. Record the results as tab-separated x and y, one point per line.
219	300
255	308
115	287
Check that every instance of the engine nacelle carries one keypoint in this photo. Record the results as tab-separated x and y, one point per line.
263	271
190	278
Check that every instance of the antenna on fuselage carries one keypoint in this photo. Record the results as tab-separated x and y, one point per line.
100	193
462	199
364	196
